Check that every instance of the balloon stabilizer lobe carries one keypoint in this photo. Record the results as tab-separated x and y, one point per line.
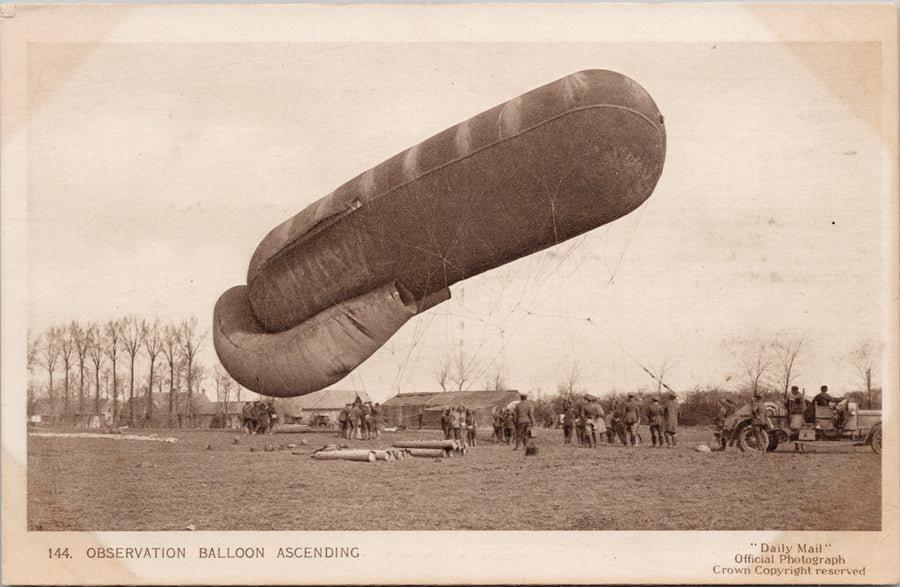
328	287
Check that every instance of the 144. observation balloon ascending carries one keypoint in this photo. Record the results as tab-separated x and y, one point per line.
326	288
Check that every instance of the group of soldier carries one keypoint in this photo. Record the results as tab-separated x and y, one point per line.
458	423
360	420
584	418
258	417
514	423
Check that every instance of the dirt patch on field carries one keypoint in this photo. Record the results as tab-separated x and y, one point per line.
212	483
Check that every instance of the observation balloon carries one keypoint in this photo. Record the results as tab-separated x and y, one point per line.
329	286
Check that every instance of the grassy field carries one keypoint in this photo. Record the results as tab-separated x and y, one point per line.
214	481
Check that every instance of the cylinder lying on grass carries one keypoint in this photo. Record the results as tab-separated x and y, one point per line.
384	455
345	455
328	287
451	444
434	453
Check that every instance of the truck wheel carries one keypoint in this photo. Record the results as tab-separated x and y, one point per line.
773	443
876	439
752	438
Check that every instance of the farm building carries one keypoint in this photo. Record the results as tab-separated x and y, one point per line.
327	403
423	410
87	416
212	414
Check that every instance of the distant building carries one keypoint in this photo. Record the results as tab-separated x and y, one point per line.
212	414
423	410
315	407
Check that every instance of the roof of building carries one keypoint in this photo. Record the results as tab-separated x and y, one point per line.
438	400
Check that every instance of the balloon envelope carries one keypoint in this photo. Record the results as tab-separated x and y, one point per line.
329	286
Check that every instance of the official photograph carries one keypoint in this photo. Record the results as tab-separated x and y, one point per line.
548	293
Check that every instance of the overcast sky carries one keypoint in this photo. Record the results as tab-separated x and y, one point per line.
154	170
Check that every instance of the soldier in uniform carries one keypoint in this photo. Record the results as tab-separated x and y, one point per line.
471	427
631	419
592	413
568	420
455	424
655	419
445	423
344	422
509	425
824	399
760	417
524	418
354	416
796	406
376	419
497	421
580	421
671	417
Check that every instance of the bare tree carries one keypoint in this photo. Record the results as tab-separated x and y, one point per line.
95	345
570	384
442	373
79	339
224	386
32	360
660	377
170	346
757	364
496	381
865	357
153	344
786	353
113	339
132	331
66	354
190	340
48	357
462	371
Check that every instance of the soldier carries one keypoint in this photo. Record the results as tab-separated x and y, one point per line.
497	421
353	416
631	419
578	408
568	420
826	400
524	418
247	417
445	423
599	420
796	406
655	419
619	420
471	427
509	425
610	427
376	419
591	414
671	417
365	420
760	418
344	422
455	424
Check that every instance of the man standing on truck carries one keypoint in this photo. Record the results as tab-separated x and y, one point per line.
796	406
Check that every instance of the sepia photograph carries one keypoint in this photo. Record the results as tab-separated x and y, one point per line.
449	293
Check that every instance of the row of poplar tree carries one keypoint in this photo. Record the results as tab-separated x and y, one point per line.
78	369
